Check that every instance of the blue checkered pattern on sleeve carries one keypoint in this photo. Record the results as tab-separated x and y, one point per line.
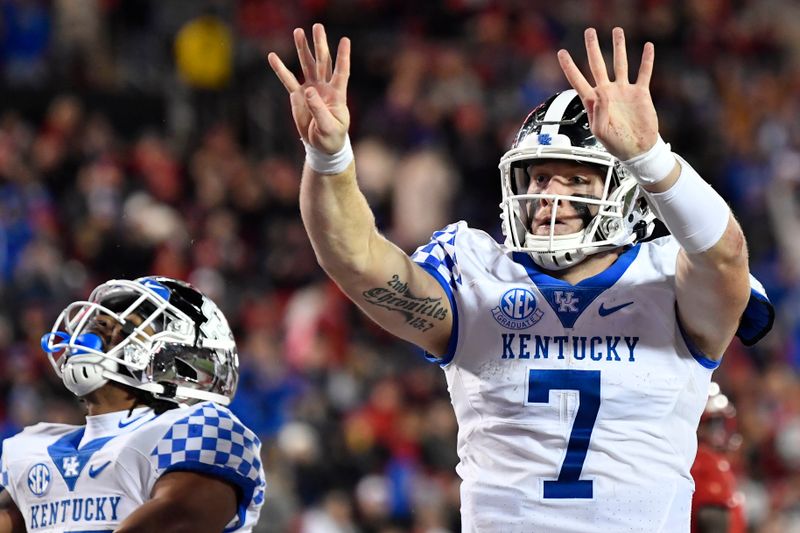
212	436
440	254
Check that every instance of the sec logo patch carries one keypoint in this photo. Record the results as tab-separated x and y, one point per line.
39	479
517	309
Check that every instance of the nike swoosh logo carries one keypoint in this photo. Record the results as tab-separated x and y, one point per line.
124	424
94	472
605	311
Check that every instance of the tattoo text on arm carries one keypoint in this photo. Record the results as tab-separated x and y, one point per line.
418	312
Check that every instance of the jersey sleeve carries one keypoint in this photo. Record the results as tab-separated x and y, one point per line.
212	441
6	483
439	259
3	474
758	316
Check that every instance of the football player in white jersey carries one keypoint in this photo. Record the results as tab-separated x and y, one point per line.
578	354
155	363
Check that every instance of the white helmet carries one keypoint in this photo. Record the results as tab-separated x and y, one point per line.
182	351
559	129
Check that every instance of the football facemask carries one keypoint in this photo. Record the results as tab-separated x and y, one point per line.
559	130
177	344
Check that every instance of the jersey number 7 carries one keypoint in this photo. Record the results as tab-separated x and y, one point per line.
587	383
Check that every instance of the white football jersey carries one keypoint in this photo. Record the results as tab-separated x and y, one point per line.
90	478
578	404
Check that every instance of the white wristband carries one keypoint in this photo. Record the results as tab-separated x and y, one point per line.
694	213
652	166
324	163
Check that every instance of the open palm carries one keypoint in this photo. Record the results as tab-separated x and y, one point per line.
319	105
621	114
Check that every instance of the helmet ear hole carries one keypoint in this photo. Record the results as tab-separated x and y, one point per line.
185	370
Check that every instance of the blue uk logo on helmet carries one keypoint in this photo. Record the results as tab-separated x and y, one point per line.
156	287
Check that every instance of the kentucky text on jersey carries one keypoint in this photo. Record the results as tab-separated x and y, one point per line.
79	510
596	348
91	478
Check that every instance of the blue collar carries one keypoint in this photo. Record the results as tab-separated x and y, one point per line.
567	300
71	460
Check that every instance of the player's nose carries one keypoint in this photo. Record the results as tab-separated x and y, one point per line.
555	185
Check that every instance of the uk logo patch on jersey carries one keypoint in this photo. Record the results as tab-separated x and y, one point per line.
566	301
517	309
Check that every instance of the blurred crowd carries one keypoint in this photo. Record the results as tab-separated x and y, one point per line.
358	432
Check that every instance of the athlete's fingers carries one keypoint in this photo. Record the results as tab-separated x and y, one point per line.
574	75
304	55
323	65
326	122
342	71
620	56
284	74
646	67
596	62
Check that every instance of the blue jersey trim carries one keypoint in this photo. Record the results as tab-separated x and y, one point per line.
67	448
757	319
580	296
696	352
246	485
453	342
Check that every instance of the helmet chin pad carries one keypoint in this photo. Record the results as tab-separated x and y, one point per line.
82	377
556	260
84	367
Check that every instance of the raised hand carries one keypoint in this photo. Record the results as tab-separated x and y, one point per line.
319	104
621	114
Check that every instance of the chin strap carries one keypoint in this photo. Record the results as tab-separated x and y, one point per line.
169	391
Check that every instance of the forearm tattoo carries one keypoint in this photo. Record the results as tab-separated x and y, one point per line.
419	313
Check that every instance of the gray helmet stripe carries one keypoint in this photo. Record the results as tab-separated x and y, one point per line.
555	113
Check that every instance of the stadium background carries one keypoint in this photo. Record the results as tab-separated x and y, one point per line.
150	137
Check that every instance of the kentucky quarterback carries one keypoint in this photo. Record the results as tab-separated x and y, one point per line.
155	363
577	354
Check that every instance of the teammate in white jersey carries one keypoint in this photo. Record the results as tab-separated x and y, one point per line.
578	354
155	362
